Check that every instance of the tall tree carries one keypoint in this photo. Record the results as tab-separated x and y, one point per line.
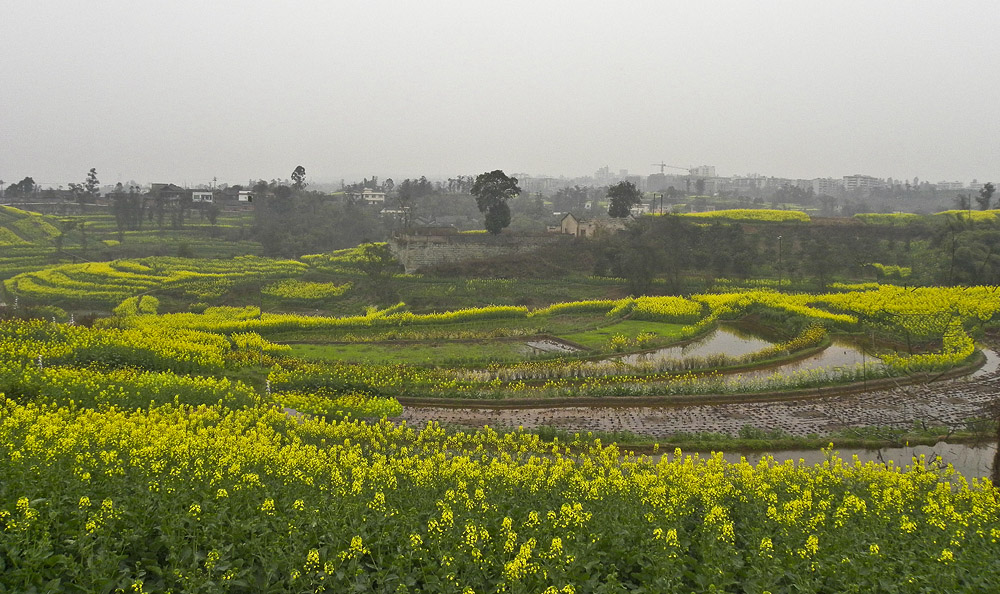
492	191
92	186
622	197
985	196
379	263
406	199
212	212
22	188
78	192
299	178
497	218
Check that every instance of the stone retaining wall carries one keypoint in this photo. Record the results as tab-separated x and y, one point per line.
417	252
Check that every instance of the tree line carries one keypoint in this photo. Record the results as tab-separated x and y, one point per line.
673	253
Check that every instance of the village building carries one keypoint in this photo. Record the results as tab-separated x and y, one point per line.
368	196
571	225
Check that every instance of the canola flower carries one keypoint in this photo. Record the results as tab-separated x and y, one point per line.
112	282
138	367
987	216
920	314
750	214
340	405
931	316
336	506
901	219
892	271
151	348
147	347
666	309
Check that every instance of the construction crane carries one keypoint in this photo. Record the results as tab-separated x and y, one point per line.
663	166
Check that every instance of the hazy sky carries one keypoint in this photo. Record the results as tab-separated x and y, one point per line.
183	91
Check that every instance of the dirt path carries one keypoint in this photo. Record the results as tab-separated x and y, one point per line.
949	403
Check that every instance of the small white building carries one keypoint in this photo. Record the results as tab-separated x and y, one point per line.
369	196
202	196
639	209
245	196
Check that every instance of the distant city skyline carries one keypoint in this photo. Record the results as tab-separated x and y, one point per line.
612	174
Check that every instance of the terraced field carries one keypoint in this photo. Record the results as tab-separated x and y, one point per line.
128	448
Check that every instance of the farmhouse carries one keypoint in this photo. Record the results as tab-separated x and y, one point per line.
570	225
167	192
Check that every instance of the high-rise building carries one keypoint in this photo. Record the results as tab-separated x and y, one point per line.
862	183
828	186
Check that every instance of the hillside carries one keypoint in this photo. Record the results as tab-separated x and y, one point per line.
26	241
20	227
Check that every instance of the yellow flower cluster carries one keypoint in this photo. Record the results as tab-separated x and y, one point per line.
123	388
666	309
133	306
570	307
747	214
340	405
111	282
810	337
892	271
239	319
985	216
251	341
900	219
930	316
490	512
147	347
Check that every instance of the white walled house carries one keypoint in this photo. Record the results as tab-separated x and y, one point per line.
369	196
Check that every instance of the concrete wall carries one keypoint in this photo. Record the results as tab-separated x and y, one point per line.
420	251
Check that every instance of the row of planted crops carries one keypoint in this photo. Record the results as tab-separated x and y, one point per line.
108	283
127	464
105	284
931	328
145	455
175	498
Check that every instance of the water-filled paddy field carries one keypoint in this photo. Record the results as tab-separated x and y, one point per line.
971	461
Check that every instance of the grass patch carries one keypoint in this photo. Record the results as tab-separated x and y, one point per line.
598	338
415	353
477	329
